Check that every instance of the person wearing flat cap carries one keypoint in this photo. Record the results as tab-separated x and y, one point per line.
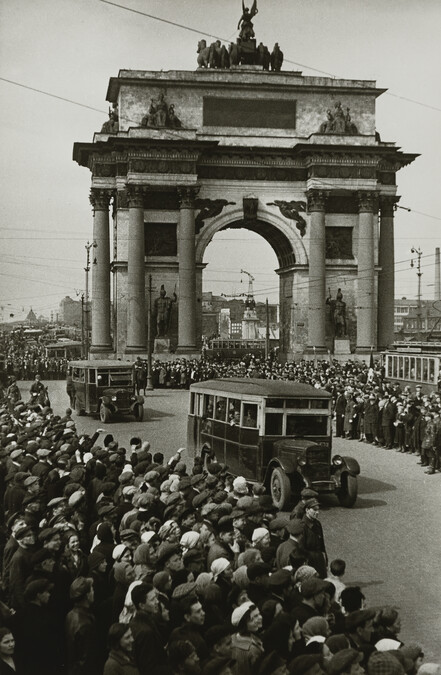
313	540
307	664
80	629
292	545
346	662
315	601
299	509
359	631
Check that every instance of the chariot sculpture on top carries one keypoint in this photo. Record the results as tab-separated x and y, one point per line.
243	51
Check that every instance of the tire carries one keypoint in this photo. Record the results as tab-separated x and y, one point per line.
139	412
104	414
79	411
280	487
347	496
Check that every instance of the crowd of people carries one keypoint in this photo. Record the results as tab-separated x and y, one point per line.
118	562
24	358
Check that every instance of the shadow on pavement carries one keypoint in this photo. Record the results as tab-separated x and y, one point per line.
366	584
152	414
368	503
371	485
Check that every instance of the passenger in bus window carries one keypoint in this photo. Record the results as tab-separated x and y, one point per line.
250	417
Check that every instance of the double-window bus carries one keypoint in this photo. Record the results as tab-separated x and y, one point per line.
414	363
270	431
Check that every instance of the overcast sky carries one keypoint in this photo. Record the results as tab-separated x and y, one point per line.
70	48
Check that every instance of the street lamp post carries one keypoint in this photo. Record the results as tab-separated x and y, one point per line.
418	252
86	299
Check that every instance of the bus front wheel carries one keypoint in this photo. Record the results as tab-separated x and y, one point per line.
347	496
280	488
104	414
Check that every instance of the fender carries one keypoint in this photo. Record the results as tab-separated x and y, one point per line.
140	400
106	401
352	466
287	466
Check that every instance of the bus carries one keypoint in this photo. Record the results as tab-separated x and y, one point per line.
412	363
274	432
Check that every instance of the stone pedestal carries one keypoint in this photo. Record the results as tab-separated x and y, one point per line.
342	347
162	345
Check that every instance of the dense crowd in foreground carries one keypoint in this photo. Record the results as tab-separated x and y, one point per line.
116	562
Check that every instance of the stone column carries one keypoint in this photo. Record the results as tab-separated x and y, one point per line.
187	272
366	326
136	315
101	340
386	277
317	271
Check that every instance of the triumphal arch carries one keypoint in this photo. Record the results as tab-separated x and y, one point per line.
241	142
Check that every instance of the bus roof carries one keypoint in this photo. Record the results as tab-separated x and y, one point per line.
98	363
258	387
63	343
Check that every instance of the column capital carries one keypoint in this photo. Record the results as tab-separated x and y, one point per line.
317	199
388	204
367	202
135	196
100	199
187	196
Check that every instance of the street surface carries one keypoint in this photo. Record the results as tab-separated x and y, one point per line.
390	540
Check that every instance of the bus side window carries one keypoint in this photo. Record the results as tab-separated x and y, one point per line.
273	424
208	406
234	411
92	373
250	415
221	408
103	379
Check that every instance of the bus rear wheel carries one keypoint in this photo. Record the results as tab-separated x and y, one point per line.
280	487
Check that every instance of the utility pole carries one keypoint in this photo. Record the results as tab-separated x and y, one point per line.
267	333
418	252
149	385
86	300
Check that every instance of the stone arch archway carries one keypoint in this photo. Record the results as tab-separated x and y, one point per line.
283	237
285	240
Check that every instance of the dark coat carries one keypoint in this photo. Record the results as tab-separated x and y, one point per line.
148	647
81	643
313	542
119	663
39	653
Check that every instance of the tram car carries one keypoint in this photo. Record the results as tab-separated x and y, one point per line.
412	363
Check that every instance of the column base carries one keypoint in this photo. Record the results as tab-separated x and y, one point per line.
315	350
366	351
100	349
189	350
136	349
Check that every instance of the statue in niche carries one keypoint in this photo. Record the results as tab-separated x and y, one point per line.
112	125
208	209
338	313
291	211
338	122
246	22
276	58
162	310
160	115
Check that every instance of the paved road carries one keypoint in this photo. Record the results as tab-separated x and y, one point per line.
390	539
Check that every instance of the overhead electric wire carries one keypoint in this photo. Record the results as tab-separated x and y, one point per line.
223	39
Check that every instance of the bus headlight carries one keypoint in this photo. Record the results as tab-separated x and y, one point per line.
301	462
337	460
113	398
